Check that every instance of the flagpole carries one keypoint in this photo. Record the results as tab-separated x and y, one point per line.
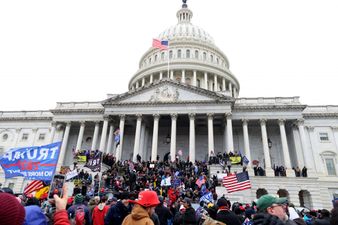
168	58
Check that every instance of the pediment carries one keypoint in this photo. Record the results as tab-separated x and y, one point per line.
167	91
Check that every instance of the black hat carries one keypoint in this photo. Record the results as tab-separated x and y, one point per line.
222	202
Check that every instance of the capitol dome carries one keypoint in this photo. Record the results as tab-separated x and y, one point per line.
192	59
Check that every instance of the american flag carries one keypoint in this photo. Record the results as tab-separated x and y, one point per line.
33	186
237	182
161	44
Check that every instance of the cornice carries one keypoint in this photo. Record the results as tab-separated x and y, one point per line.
25	118
321	115
63	111
255	108
146	103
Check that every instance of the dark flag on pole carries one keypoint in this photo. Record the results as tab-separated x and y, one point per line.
117	137
94	161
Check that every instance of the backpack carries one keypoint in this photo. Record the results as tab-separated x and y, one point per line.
79	218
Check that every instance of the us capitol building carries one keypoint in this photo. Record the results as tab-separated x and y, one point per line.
194	107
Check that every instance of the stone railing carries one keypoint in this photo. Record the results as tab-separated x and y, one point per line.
79	105
322	109
40	113
268	101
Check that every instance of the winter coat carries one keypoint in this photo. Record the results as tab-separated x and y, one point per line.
210	221
34	216
116	214
72	209
189	216
99	213
138	216
163	213
324	221
228	217
266	219
61	218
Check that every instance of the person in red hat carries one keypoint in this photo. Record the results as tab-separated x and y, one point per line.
143	209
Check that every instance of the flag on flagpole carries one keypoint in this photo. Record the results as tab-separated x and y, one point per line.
237	182
33	186
161	44
245	160
207	197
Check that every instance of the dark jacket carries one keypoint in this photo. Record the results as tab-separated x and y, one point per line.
323	221
228	217
189	216
72	209
163	213
116	214
266	219
155	219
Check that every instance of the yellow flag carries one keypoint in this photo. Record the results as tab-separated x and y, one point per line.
41	191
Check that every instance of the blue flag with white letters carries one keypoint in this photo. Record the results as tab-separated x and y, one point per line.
33	163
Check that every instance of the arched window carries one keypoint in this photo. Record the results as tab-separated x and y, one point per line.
211	58
187	53
179	53
217	60
170	54
162	55
198	83
196	54
149	60
155	59
204	56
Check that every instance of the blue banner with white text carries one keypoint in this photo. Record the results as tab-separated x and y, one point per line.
33	163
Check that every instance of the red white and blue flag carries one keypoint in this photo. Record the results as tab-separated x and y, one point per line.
161	44
237	182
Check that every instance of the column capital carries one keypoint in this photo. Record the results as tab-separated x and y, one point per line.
122	116
53	123
105	117
139	116
174	116
245	121
156	116
310	128
334	128
210	115
300	122
96	122
18	130
68	123
35	129
281	122
82	122
263	121
192	116
228	115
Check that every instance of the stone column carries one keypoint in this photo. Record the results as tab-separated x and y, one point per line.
211	146
143	82
155	138
52	132
286	154
183	76
192	137
151	78
137	137
223	85
161	75
173	137
120	146
63	147
235	92
230	89
110	138
230	139
35	130
172	75
267	160
215	83
194	80
246	140
137	84
96	134
206	80
80	137
104	135
308	159
317	167
335	135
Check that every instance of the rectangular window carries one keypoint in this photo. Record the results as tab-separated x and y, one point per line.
331	170
24	137
324	136
42	137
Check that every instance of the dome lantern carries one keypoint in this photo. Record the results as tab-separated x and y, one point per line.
184	15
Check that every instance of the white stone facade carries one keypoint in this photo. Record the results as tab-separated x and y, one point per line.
194	108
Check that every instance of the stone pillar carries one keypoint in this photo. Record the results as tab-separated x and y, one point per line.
183	76
318	167
215	83
104	135
194	79
155	137
161	75
246	140
137	84
173	137
192	137
230	89
211	146
96	134
172	75
286	154
308	158
223	85
206	80
335	135
141	150
119	148
35	131
137	137
52	132
80	137
151	78
143	82
267	160
230	139
63	147
235	92
110	138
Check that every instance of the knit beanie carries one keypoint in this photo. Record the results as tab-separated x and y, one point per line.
78	199
11	211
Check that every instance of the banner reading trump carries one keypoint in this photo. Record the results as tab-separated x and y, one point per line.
33	163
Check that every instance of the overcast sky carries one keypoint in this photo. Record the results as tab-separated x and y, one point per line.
67	50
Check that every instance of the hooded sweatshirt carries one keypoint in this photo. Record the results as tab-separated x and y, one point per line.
138	216
34	216
99	213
